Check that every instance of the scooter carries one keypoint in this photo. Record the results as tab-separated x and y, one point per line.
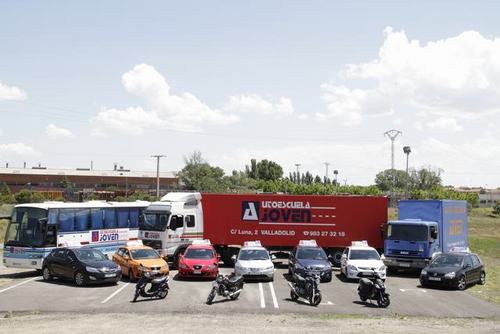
229	286
306	287
158	284
372	287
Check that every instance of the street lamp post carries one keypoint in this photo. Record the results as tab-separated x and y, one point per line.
407	151
158	156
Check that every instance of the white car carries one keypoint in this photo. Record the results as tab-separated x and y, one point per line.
361	258
254	261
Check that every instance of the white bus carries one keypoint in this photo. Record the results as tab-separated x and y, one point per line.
35	229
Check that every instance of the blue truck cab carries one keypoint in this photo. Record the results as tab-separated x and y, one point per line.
424	228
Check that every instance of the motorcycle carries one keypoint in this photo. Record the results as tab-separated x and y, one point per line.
158	284
372	287
306	287
227	286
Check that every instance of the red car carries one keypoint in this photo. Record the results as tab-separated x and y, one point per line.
199	261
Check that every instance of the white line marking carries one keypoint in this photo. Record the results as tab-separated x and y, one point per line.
273	294
323	207
18	284
294	224
115	293
261	293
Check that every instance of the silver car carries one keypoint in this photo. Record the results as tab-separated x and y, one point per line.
254	262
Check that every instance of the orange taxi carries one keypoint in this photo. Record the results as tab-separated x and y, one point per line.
129	258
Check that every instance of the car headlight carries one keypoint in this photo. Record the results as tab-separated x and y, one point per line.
351	267
382	268
423	272
269	268
92	269
298	266
183	266
164	267
212	267
450	275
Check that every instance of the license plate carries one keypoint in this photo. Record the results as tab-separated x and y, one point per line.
434	278
407	265
197	271
110	275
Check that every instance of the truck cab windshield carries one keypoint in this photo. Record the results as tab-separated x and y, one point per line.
25	228
407	232
154	221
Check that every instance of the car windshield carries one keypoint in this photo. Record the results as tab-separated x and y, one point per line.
311	253
89	255
407	232
253	254
199	253
447	261
364	254
144	253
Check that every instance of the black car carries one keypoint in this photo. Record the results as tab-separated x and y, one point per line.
456	270
310	259
82	265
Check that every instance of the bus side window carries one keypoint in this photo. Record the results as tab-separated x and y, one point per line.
122	215
82	218
66	220
96	219
109	218
134	218
190	221
51	237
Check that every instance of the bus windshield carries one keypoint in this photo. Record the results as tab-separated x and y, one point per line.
154	221
407	232
25	229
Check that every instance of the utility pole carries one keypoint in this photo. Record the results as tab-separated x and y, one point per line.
158	156
393	134
407	151
326	172
298	173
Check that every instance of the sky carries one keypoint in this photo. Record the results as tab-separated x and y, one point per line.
290	81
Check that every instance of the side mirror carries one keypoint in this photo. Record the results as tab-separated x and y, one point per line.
233	258
273	257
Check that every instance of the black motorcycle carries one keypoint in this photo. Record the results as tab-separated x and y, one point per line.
372	287
158	284
226	286
306	287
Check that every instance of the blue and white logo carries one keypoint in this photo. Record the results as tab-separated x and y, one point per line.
250	211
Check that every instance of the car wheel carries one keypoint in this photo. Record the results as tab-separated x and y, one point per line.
422	283
46	274
462	283
482	278
79	279
328	279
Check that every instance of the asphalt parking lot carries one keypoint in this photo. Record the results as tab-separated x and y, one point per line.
26	291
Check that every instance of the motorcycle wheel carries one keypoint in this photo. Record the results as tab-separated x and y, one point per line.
211	297
316	300
293	295
363	299
163	293
235	296
383	301
136	295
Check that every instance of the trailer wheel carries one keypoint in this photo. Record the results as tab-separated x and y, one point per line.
337	256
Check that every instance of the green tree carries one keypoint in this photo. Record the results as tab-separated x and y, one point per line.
426	178
264	170
317	179
384	179
29	196
197	174
6	195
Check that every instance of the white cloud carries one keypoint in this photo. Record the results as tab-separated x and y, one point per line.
17	149
445	124
457	77
11	92
303	116
163	109
256	104
55	132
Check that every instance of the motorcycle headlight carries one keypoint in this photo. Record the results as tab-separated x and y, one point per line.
450	275
92	269
423	272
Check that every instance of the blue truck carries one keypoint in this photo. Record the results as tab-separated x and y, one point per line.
424	228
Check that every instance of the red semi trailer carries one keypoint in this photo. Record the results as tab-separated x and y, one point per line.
278	221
